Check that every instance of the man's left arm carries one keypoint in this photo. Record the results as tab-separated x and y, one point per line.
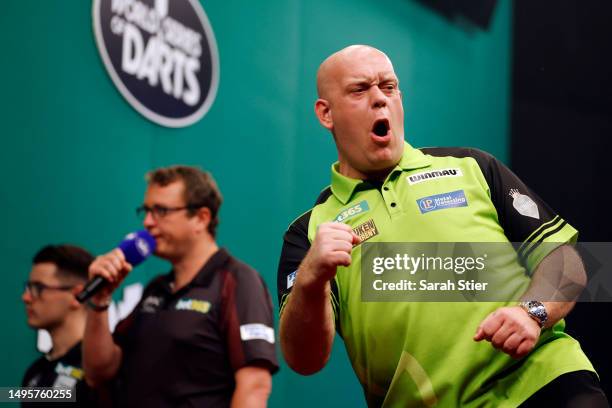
557	272
253	387
247	322
557	282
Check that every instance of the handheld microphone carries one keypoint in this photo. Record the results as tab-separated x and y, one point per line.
136	247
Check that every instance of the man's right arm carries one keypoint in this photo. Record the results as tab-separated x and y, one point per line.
307	319
101	355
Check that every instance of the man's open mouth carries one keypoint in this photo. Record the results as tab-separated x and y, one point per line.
381	127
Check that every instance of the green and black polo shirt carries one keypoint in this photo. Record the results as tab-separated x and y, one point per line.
422	353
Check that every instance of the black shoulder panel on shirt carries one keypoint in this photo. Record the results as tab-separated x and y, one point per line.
295	247
323	196
505	187
482	158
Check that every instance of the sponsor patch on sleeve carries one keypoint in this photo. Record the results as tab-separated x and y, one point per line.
524	204
257	331
291	279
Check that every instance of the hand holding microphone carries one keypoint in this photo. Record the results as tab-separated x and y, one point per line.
107	271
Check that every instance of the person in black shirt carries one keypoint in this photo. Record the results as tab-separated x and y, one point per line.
58	273
202	335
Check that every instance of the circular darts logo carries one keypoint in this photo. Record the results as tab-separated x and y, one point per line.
162	56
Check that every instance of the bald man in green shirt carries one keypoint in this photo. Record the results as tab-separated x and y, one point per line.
446	354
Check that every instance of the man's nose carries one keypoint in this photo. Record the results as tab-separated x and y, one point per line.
379	99
149	220
26	296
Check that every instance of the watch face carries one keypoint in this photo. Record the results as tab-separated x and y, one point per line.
538	310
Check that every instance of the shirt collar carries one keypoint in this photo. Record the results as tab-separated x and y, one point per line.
74	354
205	275
343	187
211	267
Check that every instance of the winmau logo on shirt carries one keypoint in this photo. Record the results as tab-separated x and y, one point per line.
430	175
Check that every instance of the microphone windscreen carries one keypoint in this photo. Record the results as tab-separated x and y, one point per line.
137	246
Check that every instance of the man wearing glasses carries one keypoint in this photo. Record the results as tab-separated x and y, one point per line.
58	273
202	335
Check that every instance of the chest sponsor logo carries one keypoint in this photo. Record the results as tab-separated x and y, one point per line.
291	279
69	371
433	174
161	55
200	306
63	381
350	212
366	230
524	204
257	331
442	201
151	304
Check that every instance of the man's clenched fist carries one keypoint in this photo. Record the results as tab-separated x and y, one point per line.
331	247
511	330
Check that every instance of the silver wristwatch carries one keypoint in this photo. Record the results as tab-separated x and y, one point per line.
536	310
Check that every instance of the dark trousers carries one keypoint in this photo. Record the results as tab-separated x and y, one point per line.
578	389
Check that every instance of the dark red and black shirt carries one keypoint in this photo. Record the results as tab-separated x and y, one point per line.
182	349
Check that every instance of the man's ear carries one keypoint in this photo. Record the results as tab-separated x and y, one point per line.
204	217
324	114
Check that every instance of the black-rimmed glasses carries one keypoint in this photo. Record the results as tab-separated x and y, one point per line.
160	211
36	288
